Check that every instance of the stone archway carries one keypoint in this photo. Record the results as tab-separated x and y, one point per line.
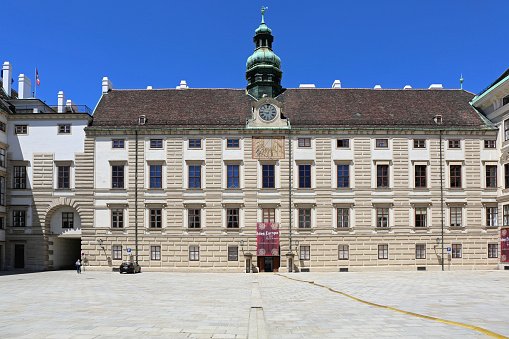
62	225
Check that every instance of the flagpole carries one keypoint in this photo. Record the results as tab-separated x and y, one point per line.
35	84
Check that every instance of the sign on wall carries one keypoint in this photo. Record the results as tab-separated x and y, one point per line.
267	239
504	245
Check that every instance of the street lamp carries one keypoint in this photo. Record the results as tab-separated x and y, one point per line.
100	241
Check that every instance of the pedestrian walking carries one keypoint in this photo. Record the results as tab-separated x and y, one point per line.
78	266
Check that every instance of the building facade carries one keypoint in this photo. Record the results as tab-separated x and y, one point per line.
348	179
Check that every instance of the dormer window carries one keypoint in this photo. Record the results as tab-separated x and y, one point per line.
142	120
505	100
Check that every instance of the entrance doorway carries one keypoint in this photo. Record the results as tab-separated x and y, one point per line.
19	256
268	264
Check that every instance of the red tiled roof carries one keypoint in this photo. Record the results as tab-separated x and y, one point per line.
306	108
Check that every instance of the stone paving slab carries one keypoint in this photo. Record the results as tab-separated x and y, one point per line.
64	304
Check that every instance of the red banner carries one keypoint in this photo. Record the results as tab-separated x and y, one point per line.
504	242
267	238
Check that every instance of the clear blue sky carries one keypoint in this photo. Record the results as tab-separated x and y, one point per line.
363	43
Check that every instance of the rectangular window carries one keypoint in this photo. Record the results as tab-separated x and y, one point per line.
343	252
156	143
455	216
232	173
492	250
67	219
343	216
491	216
455	175
454	144
19	218
268	176
117	218
383	251
117	143
506	215
2	191
194	176
2	223
382	143
420	251
506	130
304	217
420	216
233	253
194	143
2	126
20	177
193	216
382	217
304	142
382	176
343	143
305	252
64	129
2	157
343	176
117	176
116	252
419	143
269	215
194	253
155	252
491	176
64	177
490	143
232	218
232	143
506	169
20	129
456	250
304	176
156	218
420	176
156	176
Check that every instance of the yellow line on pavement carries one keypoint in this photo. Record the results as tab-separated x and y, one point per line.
475	328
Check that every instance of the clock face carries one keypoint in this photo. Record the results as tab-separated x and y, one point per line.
268	112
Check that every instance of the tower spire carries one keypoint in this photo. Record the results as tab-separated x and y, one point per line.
263	73
461	80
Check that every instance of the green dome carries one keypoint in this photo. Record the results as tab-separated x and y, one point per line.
263	56
263	28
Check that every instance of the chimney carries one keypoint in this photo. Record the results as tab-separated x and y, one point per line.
378	87
71	107
24	87
183	85
7	76
407	87
307	86
107	86
61	102
336	84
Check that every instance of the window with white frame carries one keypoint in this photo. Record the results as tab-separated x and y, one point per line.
343	252
382	217
194	253
343	217
117	218
420	216
305	252
456	213
491	216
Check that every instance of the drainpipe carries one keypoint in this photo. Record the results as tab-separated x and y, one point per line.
442	199
290	185
136	196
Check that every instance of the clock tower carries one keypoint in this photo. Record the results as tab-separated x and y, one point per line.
263	73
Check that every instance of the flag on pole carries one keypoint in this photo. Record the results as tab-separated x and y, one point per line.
37	77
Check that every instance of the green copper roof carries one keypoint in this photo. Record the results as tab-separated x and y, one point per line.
263	56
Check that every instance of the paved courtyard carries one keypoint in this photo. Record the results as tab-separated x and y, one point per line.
64	304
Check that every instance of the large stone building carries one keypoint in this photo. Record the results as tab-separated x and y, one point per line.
348	178
261	179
